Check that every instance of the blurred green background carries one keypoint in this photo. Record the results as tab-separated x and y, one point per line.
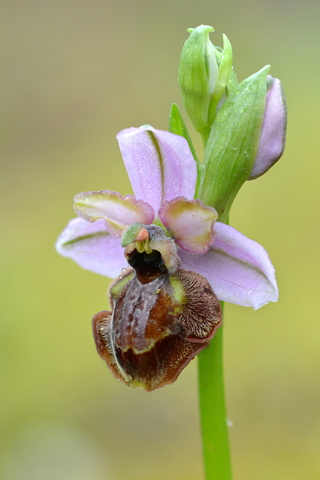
74	73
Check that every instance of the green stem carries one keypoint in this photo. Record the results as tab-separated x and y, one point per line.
214	426
213	415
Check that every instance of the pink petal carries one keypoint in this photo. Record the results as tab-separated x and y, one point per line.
117	211
238	269
273	131
160	164
92	247
190	223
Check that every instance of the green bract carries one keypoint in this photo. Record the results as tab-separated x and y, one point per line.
233	144
177	126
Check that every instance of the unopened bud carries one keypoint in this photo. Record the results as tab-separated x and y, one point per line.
273	130
198	73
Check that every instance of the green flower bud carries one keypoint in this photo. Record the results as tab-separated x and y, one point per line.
198	74
233	144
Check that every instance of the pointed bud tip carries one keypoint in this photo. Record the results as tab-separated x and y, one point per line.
201	28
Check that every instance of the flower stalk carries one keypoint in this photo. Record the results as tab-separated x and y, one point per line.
213	415
213	412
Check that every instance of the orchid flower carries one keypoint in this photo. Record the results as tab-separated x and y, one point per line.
163	176
169	248
194	256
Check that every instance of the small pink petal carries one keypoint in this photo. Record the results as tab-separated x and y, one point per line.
273	131
92	247
190	223
117	211
160	164
238	269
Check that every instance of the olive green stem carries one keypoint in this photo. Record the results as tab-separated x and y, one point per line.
214	426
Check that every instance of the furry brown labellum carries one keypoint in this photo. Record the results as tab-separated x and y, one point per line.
162	316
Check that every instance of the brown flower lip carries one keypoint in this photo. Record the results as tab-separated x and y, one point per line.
158	323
